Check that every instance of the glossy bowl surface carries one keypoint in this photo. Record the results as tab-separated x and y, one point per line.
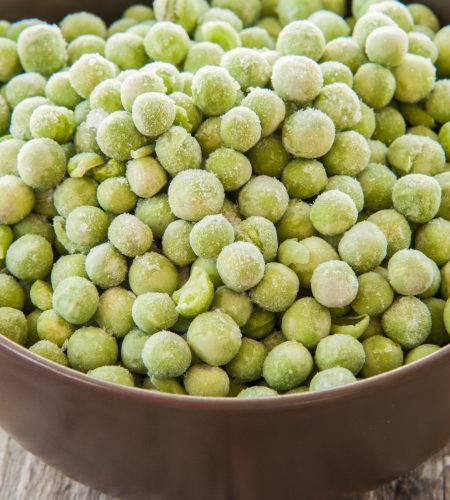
136	444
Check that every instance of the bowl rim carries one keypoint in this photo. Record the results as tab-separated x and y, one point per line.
356	389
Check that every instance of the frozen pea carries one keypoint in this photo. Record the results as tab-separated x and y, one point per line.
417	197
13	325
287	366
210	235
333	213
336	72
114	311
175	243
420	45
375	85
49	350
367	124
126	50
9	151
131	351
377	182
137	84
416	115
59	90
41	295
214	337
153	113
191	116
237	305
23	86
410	272
107	96
193	194
167	42
146	176
42	49
331	379
260	324
334	284
420	352
257	391
240	128
52	122
396	11
153	312
196	295
51	326
113	374
219	32
115	195
153	272
231	167
290	10
87	226
248	12
247	66
121	26
438	334
407	321
277	290
264	196
90	348
297	78
241	266
301	38
444	139
117	136
363	247
203	54
74	193
304	178
156	213
374	296
368	23
222	14
67	266
443	61
435	284
424	16
418	155
105	266
10	63
308	133
6	238
374	328
444	181
169	74
268	156
262	233
330	24
41	163
82	23
349	154
11	293
75	299
139	12
210	82
438	102
34	224
256	37
382	355
411	88
85	44
178	151
247	365
209	266
296	222
208	135
349	186
306	321
272	340
231	212
390	125
433	239
395	227
17	199
130	235
88	71
387	46
353	326
342	351
29	258
206	381
346	51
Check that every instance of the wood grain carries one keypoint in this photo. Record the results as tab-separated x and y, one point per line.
24	477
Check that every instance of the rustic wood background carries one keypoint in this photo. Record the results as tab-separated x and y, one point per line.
24	477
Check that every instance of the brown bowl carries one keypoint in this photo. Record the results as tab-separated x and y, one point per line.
136	444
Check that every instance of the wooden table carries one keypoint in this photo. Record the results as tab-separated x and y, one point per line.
24	477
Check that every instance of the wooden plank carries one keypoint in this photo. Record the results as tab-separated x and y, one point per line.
24	477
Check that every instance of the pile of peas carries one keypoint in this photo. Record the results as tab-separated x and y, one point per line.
247	198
